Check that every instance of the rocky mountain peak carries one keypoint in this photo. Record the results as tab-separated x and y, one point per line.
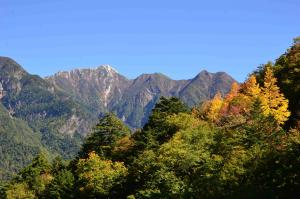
10	68
98	86
109	69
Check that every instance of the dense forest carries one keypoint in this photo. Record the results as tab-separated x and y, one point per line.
243	145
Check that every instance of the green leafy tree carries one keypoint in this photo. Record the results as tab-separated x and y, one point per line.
58	164
62	186
31	181
97	177
37	175
105	136
275	172
164	108
156	131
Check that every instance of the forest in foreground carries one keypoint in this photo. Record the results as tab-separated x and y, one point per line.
243	145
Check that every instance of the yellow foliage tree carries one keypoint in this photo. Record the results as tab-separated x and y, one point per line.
124	144
251	87
20	191
183	121
248	93
273	101
215	106
98	176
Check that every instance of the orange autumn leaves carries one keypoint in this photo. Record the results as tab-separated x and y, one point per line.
241	98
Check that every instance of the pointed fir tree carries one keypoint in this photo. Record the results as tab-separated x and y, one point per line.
251	87
105	136
273	101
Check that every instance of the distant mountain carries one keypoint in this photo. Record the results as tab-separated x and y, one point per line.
105	90
55	113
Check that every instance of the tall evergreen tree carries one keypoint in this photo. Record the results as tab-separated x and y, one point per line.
157	131
164	108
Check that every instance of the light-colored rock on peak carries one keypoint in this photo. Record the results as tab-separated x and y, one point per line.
108	68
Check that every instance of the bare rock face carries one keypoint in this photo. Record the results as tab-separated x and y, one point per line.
99	87
2	91
10	75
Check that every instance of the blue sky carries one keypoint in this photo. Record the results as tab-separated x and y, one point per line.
177	38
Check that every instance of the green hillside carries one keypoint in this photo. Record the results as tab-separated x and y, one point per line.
18	144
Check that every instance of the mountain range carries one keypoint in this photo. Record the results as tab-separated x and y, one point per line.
53	114
103	89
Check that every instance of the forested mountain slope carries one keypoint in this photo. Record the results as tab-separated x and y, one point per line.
38	116
18	144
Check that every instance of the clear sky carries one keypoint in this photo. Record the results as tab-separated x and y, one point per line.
176	37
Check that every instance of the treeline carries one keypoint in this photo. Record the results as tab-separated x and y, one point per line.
243	145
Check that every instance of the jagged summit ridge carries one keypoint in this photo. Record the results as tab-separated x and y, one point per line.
105	70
